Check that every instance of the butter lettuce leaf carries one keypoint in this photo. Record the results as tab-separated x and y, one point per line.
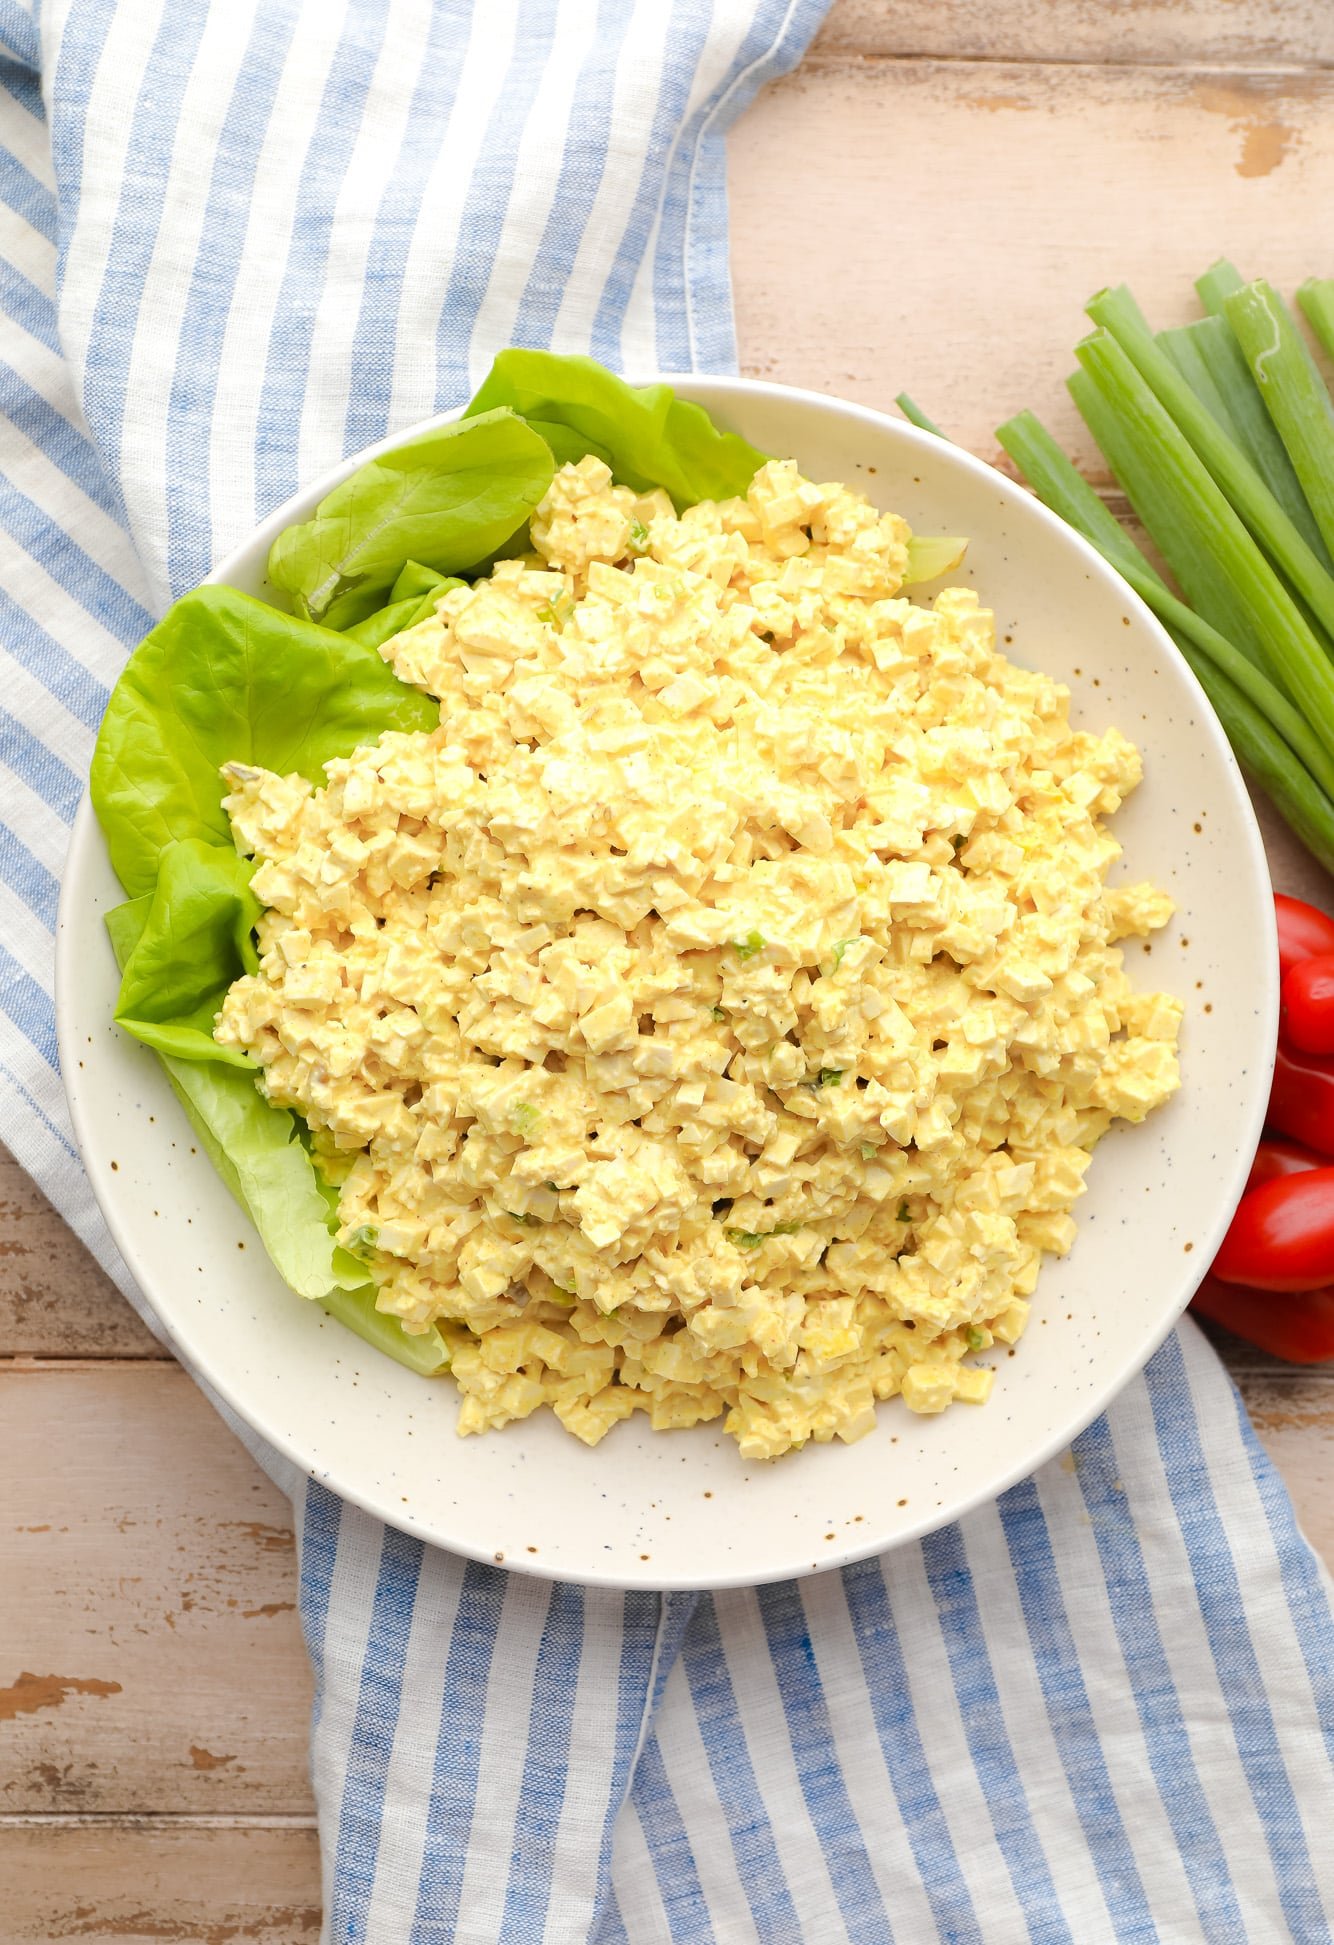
425	1352
447	499
389	621
646	434
255	1147
223	678
197	937
411	599
416	578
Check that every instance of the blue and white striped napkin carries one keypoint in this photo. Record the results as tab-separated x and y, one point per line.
236	241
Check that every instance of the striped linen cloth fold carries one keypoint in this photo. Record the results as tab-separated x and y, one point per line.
237	241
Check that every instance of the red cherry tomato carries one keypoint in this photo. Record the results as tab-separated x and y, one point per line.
1301	1101
1282	1236
1307	1016
1303	932
1275	1159
1298	1327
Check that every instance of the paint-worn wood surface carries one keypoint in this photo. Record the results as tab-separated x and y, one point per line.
151	1566
935	226
138	1881
924	205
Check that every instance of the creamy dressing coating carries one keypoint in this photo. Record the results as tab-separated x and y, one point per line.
715	1015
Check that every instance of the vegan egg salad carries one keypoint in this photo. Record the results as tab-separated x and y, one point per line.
714	1017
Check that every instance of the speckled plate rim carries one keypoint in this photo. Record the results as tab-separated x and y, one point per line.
176	1324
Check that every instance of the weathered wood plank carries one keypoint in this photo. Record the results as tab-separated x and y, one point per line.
146	1883
937	226
1245	32
54	1300
1293	1412
150	1657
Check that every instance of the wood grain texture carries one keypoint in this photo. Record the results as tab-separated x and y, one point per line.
150	1658
1246	33
138	1883
54	1299
1292	1409
946	221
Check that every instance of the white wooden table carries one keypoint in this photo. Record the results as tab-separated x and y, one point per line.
925	205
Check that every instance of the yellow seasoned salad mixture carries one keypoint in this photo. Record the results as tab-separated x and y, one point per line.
715	1015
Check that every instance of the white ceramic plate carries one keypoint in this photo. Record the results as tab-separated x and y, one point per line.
681	1509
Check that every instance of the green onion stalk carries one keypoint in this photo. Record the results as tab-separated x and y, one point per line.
1221	435
1247	705
1117	312
1289	382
